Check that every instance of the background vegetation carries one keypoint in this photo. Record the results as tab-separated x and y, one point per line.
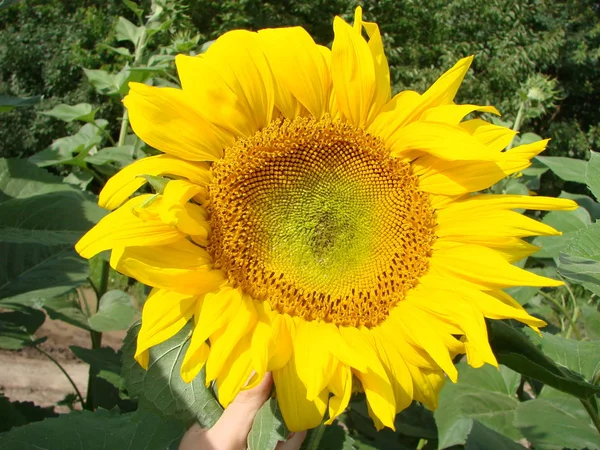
64	69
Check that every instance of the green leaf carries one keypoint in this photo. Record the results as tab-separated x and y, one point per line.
7	3
268	427
482	438
126	31
580	260
17	327
568	169
118	50
545	419
68	310
72	149
135	8
69	113
533	357
8	103
529	138
20	178
116	312
486	395
105	361
54	218
592	174
122	155
15	414
566	221
336	437
592	207
591	320
33	272
102	81
79	179
100	430
161	386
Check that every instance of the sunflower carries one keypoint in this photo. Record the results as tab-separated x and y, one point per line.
314	226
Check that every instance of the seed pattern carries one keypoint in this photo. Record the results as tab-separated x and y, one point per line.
314	217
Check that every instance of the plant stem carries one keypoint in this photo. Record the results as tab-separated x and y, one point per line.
564	312
64	372
313	438
591	412
517	123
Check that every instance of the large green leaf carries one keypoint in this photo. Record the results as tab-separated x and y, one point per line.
486	395
537	357
15	414
52	219
20	179
100	430
592	174
41	218
161	386
105	362
70	113
555	421
8	103
568	222
126	31
116	312
30	273
268	427
17	327
73	149
482	438
580	260
585	201
568	169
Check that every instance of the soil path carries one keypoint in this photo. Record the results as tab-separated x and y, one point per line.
27	375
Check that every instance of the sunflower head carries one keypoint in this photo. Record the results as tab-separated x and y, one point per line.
314	226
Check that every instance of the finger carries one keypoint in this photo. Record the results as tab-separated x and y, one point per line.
293	443
232	428
192	438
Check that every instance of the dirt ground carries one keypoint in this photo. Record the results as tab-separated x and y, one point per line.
27	375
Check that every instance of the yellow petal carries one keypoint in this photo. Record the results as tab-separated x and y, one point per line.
443	91
510	248
453	114
238	58
235	372
216	311
314	364
353	73
195	356
340	386
460	177
299	67
382	71
394	115
224	340
375	382
165	119
440	140
213	98
482	202
396	369
123	228
427	385
181	266
128	180
490	223
484	267
299	413
421	330
495	137
271	341
164	314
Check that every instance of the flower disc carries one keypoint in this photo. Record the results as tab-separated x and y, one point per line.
316	218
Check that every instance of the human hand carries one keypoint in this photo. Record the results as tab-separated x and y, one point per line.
231	430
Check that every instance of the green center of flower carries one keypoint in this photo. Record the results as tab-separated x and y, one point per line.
314	217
